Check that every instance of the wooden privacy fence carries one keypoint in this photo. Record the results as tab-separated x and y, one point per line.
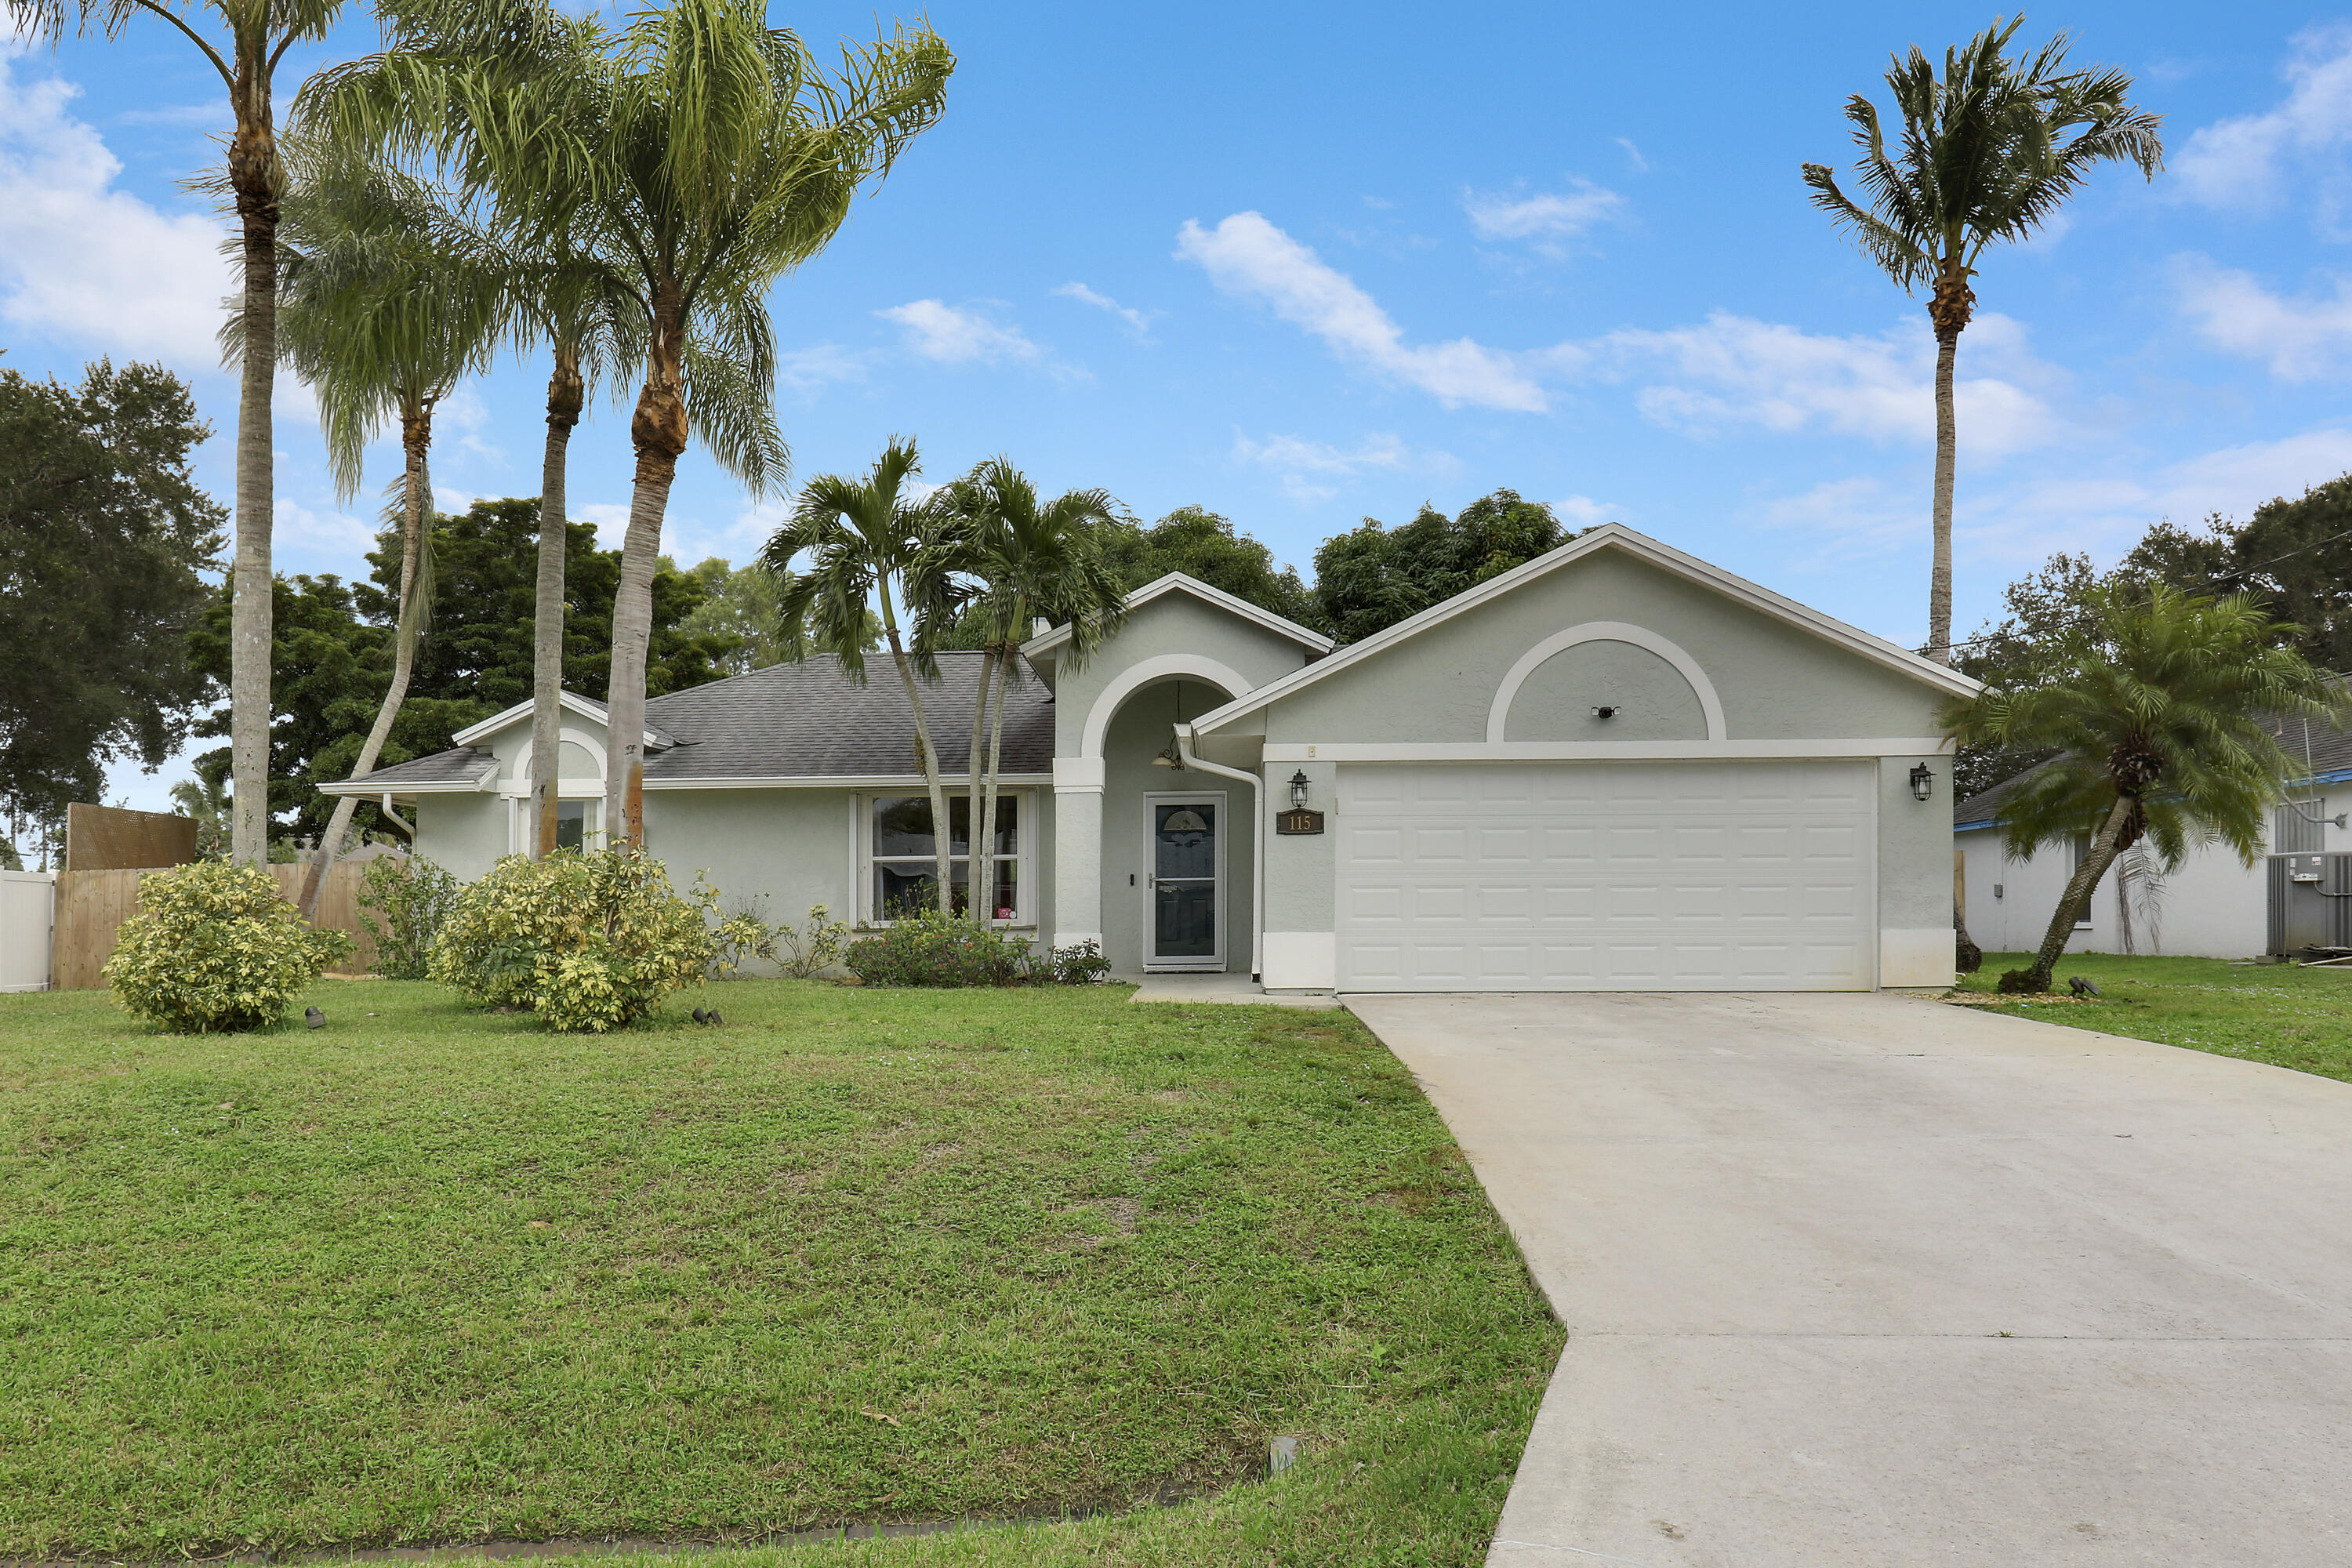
92	905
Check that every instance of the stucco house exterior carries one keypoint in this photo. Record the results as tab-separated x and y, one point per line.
2214	906
1613	767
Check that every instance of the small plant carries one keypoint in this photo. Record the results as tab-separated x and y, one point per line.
414	897
592	941
1080	963
928	948
813	946
736	939
215	947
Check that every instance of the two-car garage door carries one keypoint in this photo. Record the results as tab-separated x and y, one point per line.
1715	876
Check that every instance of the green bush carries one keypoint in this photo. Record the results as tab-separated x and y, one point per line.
1080	963
216	947
591	941
813	947
927	948
414	897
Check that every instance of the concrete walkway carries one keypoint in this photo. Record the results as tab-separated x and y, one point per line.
1868	1279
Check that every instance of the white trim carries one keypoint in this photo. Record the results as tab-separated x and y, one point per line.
591	821
1597	750
1078	775
1184	748
1301	960
1618	536
580	738
898	783
1499	716
1176	582
375	784
582	706
1135	677
1196	965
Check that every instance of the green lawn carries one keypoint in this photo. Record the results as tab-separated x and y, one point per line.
2286	1015
431	1274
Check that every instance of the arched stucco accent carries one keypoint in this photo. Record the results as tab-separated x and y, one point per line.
580	738
1711	705
1164	666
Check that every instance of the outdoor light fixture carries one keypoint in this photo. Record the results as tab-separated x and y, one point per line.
1608	712
1298	789
1923	782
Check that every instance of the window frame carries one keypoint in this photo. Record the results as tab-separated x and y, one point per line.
1025	905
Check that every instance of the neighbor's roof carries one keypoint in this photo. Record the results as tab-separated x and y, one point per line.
788	722
2325	750
1608	536
1180	583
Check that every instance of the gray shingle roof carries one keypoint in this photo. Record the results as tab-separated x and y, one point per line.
810	719
464	765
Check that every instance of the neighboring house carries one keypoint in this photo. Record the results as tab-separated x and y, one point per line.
2214	906
1614	767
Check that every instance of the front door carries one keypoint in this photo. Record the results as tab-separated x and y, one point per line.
1185	917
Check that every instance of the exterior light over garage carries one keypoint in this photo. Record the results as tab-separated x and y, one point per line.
1923	782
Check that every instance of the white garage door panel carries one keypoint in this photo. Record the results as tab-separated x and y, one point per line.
1606	876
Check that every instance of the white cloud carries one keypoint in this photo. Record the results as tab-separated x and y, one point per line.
1735	370
1633	154
85	263
1302	463
1547	217
2299	339
1139	320
299	527
1583	511
820	365
958	336
610	519
1246	256
2245	164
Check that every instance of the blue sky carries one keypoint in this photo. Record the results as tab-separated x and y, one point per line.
1304	265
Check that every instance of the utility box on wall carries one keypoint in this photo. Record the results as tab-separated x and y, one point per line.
2310	902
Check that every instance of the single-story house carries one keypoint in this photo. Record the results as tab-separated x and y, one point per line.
1614	767
2214	906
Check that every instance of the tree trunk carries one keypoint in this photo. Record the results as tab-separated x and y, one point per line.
971	790
2073	901
416	437
659	430
942	825
995	757
253	175
565	394
1939	576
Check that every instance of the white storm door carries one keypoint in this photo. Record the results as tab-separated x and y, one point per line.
1184	892
1732	876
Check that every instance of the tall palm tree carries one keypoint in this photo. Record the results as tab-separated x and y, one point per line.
248	37
1028	558
2155	708
864	539
385	307
1989	152
452	67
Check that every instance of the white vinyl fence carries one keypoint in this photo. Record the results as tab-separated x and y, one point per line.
27	912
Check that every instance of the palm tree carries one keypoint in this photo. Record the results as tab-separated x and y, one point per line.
1990	154
250	39
449	65
864	538
2155	708
384	311
1029	558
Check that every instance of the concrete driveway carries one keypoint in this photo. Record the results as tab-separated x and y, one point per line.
1872	1280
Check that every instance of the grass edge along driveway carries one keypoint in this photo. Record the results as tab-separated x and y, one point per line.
431	1275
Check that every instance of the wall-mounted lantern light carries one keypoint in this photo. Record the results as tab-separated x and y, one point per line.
1609	711
1298	789
1923	782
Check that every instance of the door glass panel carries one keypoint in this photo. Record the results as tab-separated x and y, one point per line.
1184	841
1185	920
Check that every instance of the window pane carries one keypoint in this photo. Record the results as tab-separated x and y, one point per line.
1184	841
1008	824
902	825
903	888
1008	889
571	824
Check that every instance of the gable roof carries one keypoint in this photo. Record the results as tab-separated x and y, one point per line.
586	707
807	723
1608	536
1180	583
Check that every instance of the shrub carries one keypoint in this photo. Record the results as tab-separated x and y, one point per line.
736	939
415	897
216	947
813	946
592	941
928	948
1080	963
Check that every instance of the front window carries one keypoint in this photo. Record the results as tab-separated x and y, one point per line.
571	824
904	855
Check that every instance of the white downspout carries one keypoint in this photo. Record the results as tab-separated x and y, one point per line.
1257	843
394	815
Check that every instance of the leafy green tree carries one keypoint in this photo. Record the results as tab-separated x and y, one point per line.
1374	576
1989	154
2295	554
872	549
246	39
2151	710
103	533
1200	544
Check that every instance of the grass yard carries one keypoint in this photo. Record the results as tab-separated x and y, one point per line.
431	1275
2286	1015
